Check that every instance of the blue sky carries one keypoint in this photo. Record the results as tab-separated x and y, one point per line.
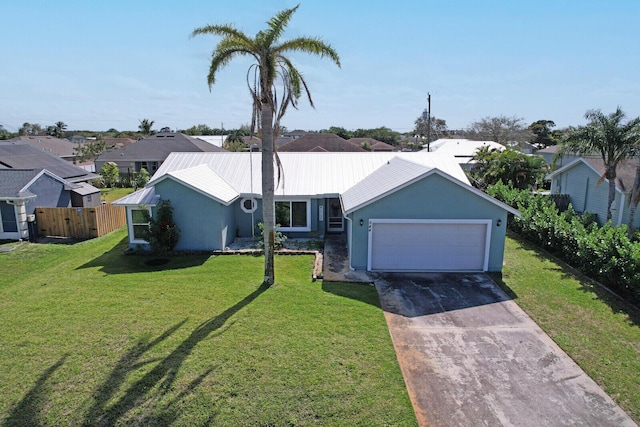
101	65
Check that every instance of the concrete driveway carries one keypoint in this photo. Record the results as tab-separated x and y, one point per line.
471	357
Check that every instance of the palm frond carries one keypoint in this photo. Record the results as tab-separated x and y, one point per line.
277	25
314	46
227	31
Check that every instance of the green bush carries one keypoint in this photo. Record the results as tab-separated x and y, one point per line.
603	253
163	232
278	240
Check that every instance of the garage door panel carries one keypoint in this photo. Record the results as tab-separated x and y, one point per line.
428	246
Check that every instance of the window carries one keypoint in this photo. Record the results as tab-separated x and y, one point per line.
248	205
8	222
293	215
139	225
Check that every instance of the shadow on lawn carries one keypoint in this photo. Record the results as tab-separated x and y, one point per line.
152	386
30	409
357	291
114	261
616	303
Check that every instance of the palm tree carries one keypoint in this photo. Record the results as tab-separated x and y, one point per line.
235	141
271	66
608	136
59	129
145	126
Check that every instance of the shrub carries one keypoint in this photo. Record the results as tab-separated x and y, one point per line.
163	232
603	253
279	238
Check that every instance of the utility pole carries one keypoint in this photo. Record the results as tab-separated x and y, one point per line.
428	121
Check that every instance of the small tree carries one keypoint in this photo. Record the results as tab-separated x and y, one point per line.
510	167
163	232
90	150
142	178
110	174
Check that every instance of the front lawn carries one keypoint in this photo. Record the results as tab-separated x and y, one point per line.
89	336
595	329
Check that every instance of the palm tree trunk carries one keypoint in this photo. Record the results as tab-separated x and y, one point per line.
633	201
268	205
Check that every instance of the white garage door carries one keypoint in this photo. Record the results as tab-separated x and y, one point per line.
429	245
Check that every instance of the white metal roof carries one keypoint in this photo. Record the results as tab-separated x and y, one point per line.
204	180
391	176
461	148
304	174
360	178
145	196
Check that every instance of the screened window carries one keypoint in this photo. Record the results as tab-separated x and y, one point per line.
293	215
140	224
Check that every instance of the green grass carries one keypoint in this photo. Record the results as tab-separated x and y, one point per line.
90	336
600	332
112	194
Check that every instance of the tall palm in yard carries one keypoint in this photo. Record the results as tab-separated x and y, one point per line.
610	137
271	68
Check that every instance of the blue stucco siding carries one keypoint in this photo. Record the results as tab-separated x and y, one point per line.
49	193
434	197
243	219
204	223
580	182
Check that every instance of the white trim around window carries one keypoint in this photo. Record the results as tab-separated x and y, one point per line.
298	214
248	205
133	226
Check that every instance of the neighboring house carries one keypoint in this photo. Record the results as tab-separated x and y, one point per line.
462	150
217	140
399	211
21	155
111	142
149	153
62	148
320	142
580	179
375	145
549	155
22	190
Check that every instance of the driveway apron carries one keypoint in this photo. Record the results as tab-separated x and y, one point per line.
471	357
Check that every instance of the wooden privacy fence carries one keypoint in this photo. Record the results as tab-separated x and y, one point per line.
80	223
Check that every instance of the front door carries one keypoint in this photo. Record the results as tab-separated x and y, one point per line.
335	221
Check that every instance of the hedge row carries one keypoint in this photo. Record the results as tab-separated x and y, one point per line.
604	253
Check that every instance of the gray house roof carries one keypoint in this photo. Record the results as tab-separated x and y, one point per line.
56	146
157	147
14	183
21	155
321	142
374	144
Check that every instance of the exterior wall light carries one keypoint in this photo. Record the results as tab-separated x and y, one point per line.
361	222
499	223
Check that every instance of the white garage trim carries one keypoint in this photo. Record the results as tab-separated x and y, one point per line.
428	245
